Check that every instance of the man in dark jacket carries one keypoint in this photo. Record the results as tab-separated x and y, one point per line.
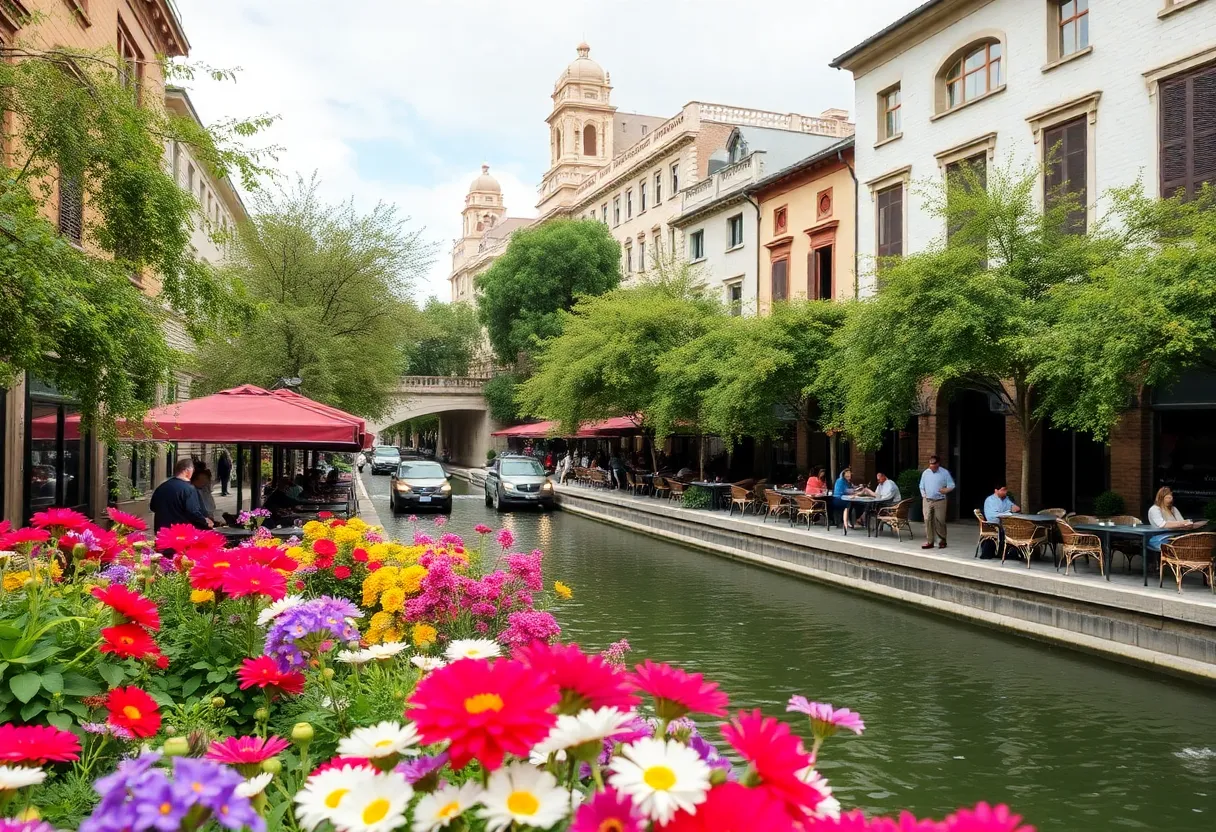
176	500
223	469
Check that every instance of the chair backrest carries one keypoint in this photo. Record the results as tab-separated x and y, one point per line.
1197	546
804	503
760	491
629	480
1125	520
1055	512
660	483
985	524
677	487
773	499
1018	529
903	509
737	493
1067	533
1078	519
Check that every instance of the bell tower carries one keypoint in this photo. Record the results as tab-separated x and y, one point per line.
483	206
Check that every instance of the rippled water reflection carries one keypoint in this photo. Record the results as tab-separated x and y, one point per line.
954	713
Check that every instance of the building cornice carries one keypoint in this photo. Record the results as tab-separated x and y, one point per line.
628	172
162	22
910	30
727	200
13	15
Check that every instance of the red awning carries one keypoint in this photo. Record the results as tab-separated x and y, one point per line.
615	426
304	401
538	430
252	415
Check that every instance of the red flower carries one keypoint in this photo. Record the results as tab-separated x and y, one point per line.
776	756
324	561
324	547
985	818
341	572
237	751
338	521
212	566
64	519
343	762
585	681
37	744
182	536
126	520
374	565
255	579
274	558
162	661
736	808
678	693
324	515
300	586
130	605
359	556
5	527
128	641
486	709
16	539
133	709
264	673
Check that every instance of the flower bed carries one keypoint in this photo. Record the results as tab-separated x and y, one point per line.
342	680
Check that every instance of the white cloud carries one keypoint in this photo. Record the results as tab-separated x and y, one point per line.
450	84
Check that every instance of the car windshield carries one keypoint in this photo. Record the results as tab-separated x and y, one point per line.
422	471
387	452
522	468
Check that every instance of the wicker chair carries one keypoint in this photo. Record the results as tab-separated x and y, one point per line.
1023	537
742	498
810	508
1078	519
896	518
634	484
1079	545
660	488
759	490
1058	513
988	531
775	504
677	489
1189	553
1126	546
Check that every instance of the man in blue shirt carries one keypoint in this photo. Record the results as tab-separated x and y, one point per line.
176	501
998	504
935	484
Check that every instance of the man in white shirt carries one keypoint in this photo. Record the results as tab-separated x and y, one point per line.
886	490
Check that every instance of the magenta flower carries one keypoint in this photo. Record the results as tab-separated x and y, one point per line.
985	818
505	539
607	810
440	521
413	518
826	720
245	750
482	528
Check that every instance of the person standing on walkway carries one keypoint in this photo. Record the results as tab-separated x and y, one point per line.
223	469
176	501
935	485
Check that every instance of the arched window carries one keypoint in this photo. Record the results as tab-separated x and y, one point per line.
589	140
559	143
973	72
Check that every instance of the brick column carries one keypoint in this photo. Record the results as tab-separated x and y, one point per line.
933	430
1130	451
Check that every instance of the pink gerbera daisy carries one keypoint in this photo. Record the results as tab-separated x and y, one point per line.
485	709
584	681
776	756
677	693
731	807
254	579
126	520
608	811
263	672
181	536
826	720
61	519
130	606
24	539
985	818
237	751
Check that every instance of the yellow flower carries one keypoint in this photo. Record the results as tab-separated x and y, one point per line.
392	634
201	596
393	599
302	556
357	524
410	578
345	534
378	552
424	635
15	580
314	530
563	591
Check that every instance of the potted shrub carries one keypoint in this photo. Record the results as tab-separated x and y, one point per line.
909	488
1108	504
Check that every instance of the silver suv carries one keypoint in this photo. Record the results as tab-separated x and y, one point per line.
517	481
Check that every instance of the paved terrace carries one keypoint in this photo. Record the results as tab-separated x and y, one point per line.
1120	618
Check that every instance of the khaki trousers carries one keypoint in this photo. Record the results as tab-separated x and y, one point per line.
935	518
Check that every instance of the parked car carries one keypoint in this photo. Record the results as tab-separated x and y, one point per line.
514	480
385	459
420	484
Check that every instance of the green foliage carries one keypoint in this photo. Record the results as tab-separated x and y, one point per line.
543	272
330	286
500	395
697	497
491	455
445	340
909	482
1108	504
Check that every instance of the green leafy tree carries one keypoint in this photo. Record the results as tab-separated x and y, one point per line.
72	314
541	274
969	311
501	394
330	286
445	340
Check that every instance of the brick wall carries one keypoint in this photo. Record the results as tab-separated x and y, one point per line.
1013	465
1130	448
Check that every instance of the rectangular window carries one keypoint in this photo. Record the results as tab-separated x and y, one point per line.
642	197
964	174
671	239
892	104
734	298
1188	132
696	246
629	203
1074	26
658	188
130	62
604	213
675	179
71	208
190	177
821	277
628	259
734	231
177	163
890	222
616	211
641	255
1066	158
781	279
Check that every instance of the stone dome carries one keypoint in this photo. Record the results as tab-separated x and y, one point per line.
583	69
485	183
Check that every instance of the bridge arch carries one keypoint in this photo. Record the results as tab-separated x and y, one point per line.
464	417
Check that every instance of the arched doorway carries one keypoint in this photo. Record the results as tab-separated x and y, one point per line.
589	140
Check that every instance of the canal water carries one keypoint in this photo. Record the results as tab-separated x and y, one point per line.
954	713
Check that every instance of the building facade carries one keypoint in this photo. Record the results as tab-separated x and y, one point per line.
1120	93
485	231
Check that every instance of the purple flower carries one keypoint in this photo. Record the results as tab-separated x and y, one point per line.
116	573
423	540
526	627
14	825
158	805
414	770
213	786
304	630
826	720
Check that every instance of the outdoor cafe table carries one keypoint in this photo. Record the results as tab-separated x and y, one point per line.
865	503
790	493
1038	520
1144	531
716	489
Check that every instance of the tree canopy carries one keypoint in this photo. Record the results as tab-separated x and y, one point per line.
543	272
445	339
330	287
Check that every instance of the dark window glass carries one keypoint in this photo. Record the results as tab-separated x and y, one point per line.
1067	170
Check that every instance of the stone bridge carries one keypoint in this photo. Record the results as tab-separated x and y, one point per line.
464	419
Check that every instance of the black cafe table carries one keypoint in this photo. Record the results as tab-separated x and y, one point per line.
717	491
1104	531
791	493
865	503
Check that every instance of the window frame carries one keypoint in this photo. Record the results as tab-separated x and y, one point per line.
982	40
964	73
628	248
696	246
641	255
781	220
130	61
1061	21
675	180
1078	222
616	211
784	260
885	111
733	222
629	203
888	188
734	306
642	197
658	187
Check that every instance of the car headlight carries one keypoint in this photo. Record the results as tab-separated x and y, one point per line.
403	488
548	486
509	486
446	488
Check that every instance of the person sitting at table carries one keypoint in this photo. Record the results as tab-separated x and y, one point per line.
278	503
844	488
201	480
1165	515
296	491
886	490
817	483
998	504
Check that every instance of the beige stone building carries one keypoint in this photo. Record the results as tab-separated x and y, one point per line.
485	230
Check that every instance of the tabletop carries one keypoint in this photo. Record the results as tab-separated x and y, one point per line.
1143	528
703	484
1033	518
858	499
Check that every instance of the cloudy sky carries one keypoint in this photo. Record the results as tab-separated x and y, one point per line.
403	100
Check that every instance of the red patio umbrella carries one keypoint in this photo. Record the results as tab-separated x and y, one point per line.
538	430
304	401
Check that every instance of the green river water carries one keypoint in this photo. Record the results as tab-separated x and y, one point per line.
954	713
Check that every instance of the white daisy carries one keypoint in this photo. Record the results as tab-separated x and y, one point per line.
278	608
427	663
254	786
387	650
523	794
376	806
472	648
829	807
537	758
439	808
584	727
355	656
660	777
16	777
323	794
379	740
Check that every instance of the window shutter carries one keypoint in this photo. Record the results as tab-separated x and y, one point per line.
1174	129
890	221
1066	145
780	275
812	276
71	208
1203	129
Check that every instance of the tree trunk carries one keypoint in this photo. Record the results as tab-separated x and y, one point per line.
701	454
832	457
654	457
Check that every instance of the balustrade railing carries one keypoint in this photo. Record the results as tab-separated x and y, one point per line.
438	383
